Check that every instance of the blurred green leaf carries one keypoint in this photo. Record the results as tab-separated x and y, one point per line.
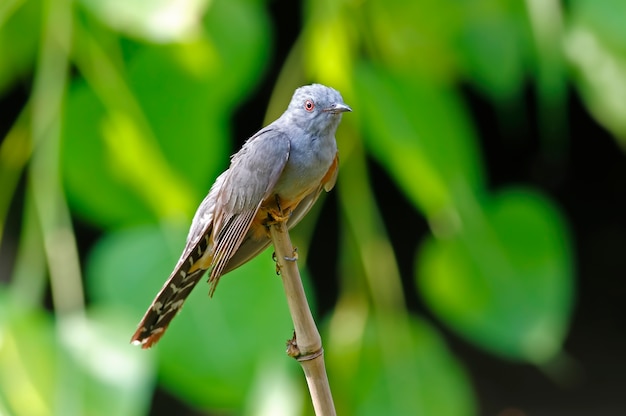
415	38
130	159
495	64
183	109
419	377
596	46
420	133
99	365
141	257
606	18
18	47
77	367
15	152
546	23
328	45
155	20
28	363
243	52
505	282
213	350
94	188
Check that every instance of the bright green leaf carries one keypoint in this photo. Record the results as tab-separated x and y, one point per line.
18	47
155	20
243	52
28	359
416	37
74	365
506	281
94	189
493	47
400	369
606	18
101	368
129	159
421	134
596	47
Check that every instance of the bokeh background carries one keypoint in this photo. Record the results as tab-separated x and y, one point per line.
470	260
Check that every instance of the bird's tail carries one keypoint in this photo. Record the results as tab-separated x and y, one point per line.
171	297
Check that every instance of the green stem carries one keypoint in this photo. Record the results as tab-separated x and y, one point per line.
45	177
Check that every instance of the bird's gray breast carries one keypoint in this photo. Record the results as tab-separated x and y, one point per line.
310	157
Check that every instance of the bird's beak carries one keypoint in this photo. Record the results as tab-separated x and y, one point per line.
337	108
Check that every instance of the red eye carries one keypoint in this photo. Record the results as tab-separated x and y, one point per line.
309	105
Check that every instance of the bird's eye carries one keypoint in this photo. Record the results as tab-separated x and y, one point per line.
309	105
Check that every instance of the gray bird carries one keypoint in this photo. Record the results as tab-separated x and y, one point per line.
276	176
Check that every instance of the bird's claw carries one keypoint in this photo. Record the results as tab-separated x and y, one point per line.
277	217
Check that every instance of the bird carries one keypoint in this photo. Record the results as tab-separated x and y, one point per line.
277	175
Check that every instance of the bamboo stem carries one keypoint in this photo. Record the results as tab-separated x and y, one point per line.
306	345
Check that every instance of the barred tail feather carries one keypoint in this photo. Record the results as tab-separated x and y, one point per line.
172	295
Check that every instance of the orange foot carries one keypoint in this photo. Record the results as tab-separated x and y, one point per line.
277	217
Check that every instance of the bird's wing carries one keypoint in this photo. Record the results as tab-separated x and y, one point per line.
251	246
251	178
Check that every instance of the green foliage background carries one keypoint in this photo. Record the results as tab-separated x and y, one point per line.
128	122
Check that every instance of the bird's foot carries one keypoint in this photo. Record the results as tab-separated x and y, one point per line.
277	217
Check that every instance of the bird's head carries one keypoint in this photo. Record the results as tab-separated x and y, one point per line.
316	107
